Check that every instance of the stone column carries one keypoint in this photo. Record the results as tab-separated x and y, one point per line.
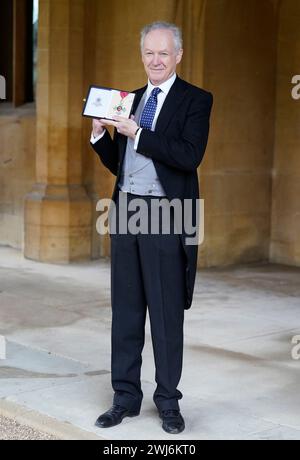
58	209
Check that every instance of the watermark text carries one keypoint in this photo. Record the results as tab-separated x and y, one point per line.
296	87
296	348
2	87
156	216
2	347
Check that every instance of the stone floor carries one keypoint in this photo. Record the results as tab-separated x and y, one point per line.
239	378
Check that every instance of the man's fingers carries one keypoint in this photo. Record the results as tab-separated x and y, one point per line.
116	124
110	123
122	124
118	118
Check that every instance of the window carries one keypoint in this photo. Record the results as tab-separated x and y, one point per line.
35	15
18	32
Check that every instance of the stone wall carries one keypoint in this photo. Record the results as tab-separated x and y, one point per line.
240	69
17	171
285	238
244	52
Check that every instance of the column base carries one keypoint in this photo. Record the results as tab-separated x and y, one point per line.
58	224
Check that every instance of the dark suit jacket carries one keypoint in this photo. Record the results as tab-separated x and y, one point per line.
176	147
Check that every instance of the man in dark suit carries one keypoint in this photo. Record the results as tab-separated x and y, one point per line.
154	156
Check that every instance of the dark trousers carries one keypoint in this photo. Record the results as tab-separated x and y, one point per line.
147	270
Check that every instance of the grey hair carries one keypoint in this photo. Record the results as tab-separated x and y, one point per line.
163	25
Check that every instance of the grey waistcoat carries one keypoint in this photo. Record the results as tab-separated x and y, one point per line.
139	175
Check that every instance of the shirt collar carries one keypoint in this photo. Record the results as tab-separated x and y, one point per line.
165	87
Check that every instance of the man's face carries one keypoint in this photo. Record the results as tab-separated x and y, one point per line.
159	55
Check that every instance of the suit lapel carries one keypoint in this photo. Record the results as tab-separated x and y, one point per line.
138	96
168	110
171	105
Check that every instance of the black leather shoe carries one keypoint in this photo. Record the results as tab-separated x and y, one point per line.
114	416
173	422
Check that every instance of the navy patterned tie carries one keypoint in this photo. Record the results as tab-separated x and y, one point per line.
149	110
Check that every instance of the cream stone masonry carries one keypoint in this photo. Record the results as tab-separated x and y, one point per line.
17	171
285	237
235	181
244	52
58	210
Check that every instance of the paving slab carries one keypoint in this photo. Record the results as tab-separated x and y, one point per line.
239	380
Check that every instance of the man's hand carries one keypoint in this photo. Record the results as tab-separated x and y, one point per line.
124	126
98	126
